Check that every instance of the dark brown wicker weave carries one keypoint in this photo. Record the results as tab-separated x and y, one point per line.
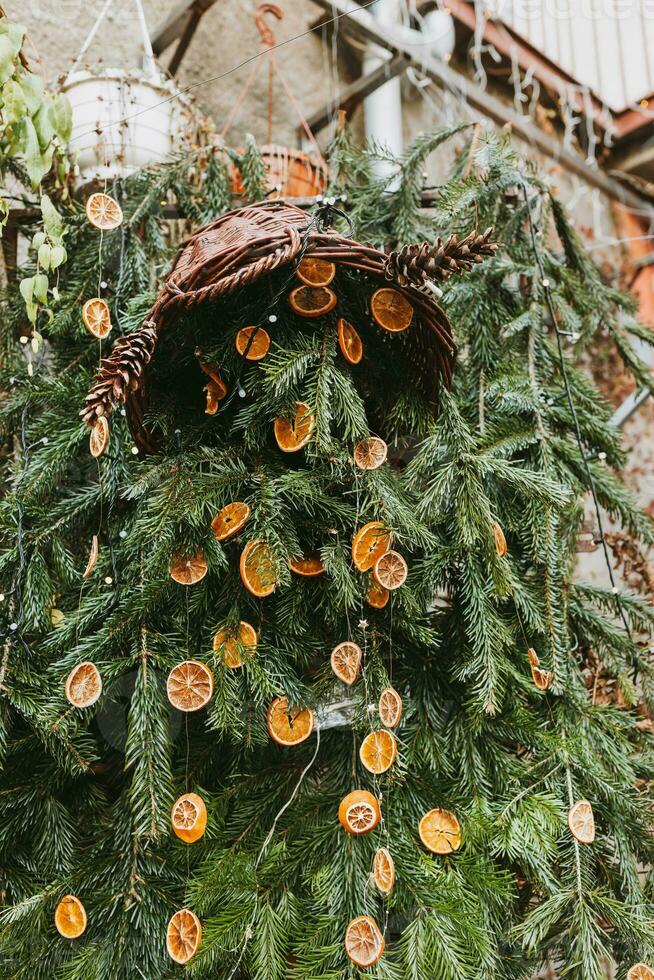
230	254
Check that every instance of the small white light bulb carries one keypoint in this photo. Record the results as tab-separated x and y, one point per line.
108	580
134	450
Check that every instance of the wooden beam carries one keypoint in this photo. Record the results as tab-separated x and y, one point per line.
183	43
355	93
175	25
365	27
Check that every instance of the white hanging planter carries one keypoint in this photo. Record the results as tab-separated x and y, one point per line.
122	121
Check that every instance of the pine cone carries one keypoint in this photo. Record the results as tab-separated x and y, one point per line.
412	264
120	372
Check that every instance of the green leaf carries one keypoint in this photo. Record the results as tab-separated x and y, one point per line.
41	288
32	86
45	256
32	152
7	56
27	289
58	256
44	124
63	117
14	100
38	240
52	220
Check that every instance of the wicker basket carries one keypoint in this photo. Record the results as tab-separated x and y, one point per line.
228	255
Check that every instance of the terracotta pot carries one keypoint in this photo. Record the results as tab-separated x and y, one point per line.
295	173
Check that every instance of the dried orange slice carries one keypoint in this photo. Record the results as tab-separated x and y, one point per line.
93	557
258	346
308	567
189	686
359	812
310	301
640	971
346	661
257	569
541	678
532	656
288	726
390	707
104	212
70	917
293	435
213	393
391	310
581	822
378	751
364	943
371	453
377	596
440	831
350	342
315	272
369	543
189	817
188	569
230	644
183	936
99	439
83	685
97	318
211	370
391	570
500	540
230	520
383	870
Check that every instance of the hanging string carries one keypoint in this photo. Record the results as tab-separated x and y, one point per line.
546	286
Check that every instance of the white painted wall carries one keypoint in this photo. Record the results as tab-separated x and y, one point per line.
607	45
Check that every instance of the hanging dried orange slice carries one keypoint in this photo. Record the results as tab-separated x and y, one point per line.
189	817
500	540
371	453
230	520
346	661
70	917
350	342
440	831
310	301
640	971
258	340
541	678
292	435
99	439
214	392
83	685
383	870
188	569
104	212
581	822
288	726
377	595
189	686
183	936
391	570
391	310
308	567
369	543
258	572
97	318
378	751
315	272
232	644
390	707
212	371
364	943
93	557
359	812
